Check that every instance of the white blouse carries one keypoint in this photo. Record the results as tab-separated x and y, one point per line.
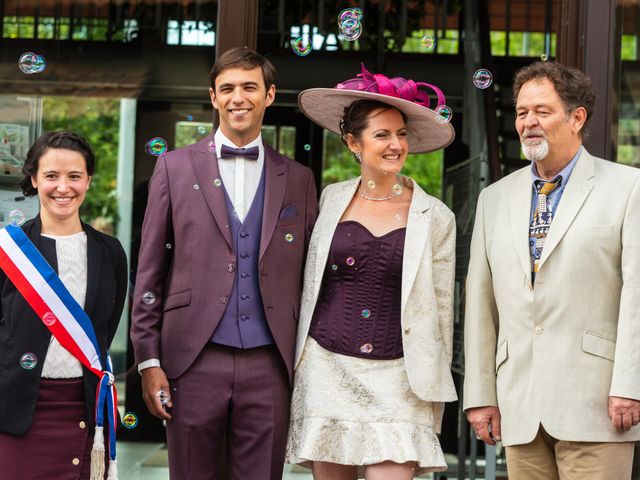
71	252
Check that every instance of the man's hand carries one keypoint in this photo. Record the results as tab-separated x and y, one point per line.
624	412
153	380
481	418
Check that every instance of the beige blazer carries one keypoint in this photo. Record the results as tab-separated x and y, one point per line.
427	286
552	353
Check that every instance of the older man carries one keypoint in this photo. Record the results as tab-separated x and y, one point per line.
553	295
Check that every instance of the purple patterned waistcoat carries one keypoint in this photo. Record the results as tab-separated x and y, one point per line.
244	324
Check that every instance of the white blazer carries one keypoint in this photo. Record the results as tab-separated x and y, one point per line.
553	352
427	286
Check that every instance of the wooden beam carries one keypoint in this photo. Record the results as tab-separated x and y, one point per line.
588	40
488	95
569	44
602	64
237	25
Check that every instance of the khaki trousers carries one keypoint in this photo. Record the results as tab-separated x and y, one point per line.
546	458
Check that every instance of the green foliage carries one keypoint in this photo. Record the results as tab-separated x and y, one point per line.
95	29
521	44
282	138
191	132
339	165
97	120
628	149
629	48
447	45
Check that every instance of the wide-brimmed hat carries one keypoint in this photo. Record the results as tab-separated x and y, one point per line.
427	130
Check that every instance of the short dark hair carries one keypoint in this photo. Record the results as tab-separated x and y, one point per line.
574	87
58	139
356	117
247	59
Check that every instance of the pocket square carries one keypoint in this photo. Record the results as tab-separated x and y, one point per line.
288	212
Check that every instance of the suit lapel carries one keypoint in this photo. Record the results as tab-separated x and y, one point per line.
332	210
275	182
520	213
94	260
205	167
575	193
415	239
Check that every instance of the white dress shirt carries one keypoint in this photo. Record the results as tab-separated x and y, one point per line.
240	178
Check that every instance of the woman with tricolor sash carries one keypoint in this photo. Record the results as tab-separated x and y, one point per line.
62	290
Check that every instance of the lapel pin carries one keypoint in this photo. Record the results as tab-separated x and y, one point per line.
217	182
289	237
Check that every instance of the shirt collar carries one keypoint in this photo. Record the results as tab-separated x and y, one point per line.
565	173
220	138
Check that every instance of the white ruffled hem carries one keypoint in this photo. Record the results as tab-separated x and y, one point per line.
363	443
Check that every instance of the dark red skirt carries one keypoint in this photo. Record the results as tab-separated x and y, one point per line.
58	444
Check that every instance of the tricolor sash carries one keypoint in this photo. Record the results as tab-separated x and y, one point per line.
43	290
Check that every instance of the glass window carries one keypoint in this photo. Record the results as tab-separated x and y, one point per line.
629	91
281	138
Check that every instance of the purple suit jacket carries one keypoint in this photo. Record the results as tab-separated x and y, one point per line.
187	261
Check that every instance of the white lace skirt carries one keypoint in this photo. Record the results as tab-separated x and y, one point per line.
356	411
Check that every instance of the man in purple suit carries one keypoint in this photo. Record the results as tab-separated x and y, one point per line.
218	285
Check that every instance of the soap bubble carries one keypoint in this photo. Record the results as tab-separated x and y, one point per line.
482	78
149	298
157	146
301	47
16	217
31	63
444	114
49	319
130	420
28	361
428	42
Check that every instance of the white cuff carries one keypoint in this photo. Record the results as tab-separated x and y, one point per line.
152	362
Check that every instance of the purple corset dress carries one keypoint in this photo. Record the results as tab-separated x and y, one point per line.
358	310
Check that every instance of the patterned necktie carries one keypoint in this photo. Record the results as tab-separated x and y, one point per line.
250	153
541	220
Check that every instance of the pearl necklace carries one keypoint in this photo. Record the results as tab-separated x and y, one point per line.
397	191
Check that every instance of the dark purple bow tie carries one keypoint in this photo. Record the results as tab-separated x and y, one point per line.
230	152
